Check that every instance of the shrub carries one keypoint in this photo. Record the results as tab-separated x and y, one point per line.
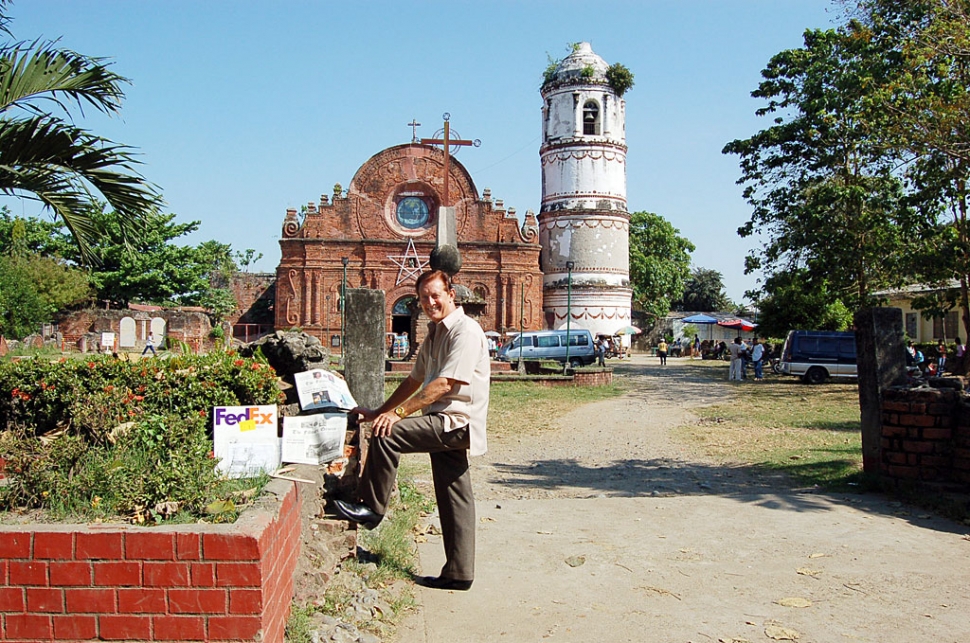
620	78
101	436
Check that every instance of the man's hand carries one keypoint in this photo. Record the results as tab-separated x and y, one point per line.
383	422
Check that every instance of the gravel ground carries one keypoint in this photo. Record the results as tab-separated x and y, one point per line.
607	529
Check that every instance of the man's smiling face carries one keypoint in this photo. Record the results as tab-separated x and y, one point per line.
436	300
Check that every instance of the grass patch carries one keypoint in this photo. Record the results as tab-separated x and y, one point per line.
389	556
812	433
47	351
526	407
392	544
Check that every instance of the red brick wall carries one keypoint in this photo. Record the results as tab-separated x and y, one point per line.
926	436
188	325
596	377
250	289
185	582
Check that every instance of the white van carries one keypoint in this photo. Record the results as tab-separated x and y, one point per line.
551	344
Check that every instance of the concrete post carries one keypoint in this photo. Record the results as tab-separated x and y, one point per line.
364	345
881	359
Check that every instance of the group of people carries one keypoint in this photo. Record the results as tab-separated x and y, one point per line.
916	359
606	347
677	348
741	354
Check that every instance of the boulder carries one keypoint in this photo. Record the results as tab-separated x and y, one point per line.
289	352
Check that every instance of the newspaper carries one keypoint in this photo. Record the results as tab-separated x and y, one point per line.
319	389
314	439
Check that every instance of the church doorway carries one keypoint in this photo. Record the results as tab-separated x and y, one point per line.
401	325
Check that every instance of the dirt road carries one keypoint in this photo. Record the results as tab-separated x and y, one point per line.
607	530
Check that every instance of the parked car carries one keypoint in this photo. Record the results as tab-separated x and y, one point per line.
551	344
816	355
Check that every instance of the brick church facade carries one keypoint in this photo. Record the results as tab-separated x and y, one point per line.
379	234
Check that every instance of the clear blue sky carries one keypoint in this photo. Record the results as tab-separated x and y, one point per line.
243	109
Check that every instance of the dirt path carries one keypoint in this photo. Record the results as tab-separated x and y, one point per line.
607	530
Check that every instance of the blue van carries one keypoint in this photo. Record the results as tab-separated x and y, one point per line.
816	355
551	344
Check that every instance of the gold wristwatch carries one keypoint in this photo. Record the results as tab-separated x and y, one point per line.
399	411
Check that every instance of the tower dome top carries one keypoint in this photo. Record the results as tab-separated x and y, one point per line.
582	65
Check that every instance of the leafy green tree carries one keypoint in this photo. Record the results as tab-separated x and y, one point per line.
38	236
823	188
220	262
796	301
33	288
704	292
44	156
926	107
220	302
153	269
247	258
659	262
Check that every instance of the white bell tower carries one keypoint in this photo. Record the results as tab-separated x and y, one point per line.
584	218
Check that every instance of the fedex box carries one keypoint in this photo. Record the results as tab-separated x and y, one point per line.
246	440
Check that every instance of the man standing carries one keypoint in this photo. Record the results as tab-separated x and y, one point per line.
757	358
601	351
449	384
736	371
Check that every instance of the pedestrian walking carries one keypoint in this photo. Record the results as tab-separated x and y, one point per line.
662	351
149	344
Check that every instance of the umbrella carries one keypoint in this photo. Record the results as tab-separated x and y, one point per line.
628	330
699	318
738	323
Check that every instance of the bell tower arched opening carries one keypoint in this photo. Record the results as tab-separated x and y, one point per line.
591	118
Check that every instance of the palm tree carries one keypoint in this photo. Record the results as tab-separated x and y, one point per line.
45	157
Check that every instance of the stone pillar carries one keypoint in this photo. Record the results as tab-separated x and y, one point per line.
881	359
445	255
364	345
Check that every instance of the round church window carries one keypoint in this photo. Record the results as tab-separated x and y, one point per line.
412	212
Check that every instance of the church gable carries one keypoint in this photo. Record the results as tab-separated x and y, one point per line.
384	226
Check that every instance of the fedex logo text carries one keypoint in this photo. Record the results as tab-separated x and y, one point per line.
254	413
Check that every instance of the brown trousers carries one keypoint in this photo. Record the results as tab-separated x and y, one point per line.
452	483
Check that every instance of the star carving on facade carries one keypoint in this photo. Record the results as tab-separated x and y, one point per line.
410	263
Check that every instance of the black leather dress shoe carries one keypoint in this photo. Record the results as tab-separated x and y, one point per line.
441	582
361	514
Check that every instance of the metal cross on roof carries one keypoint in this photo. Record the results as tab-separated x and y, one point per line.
446	142
414	125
